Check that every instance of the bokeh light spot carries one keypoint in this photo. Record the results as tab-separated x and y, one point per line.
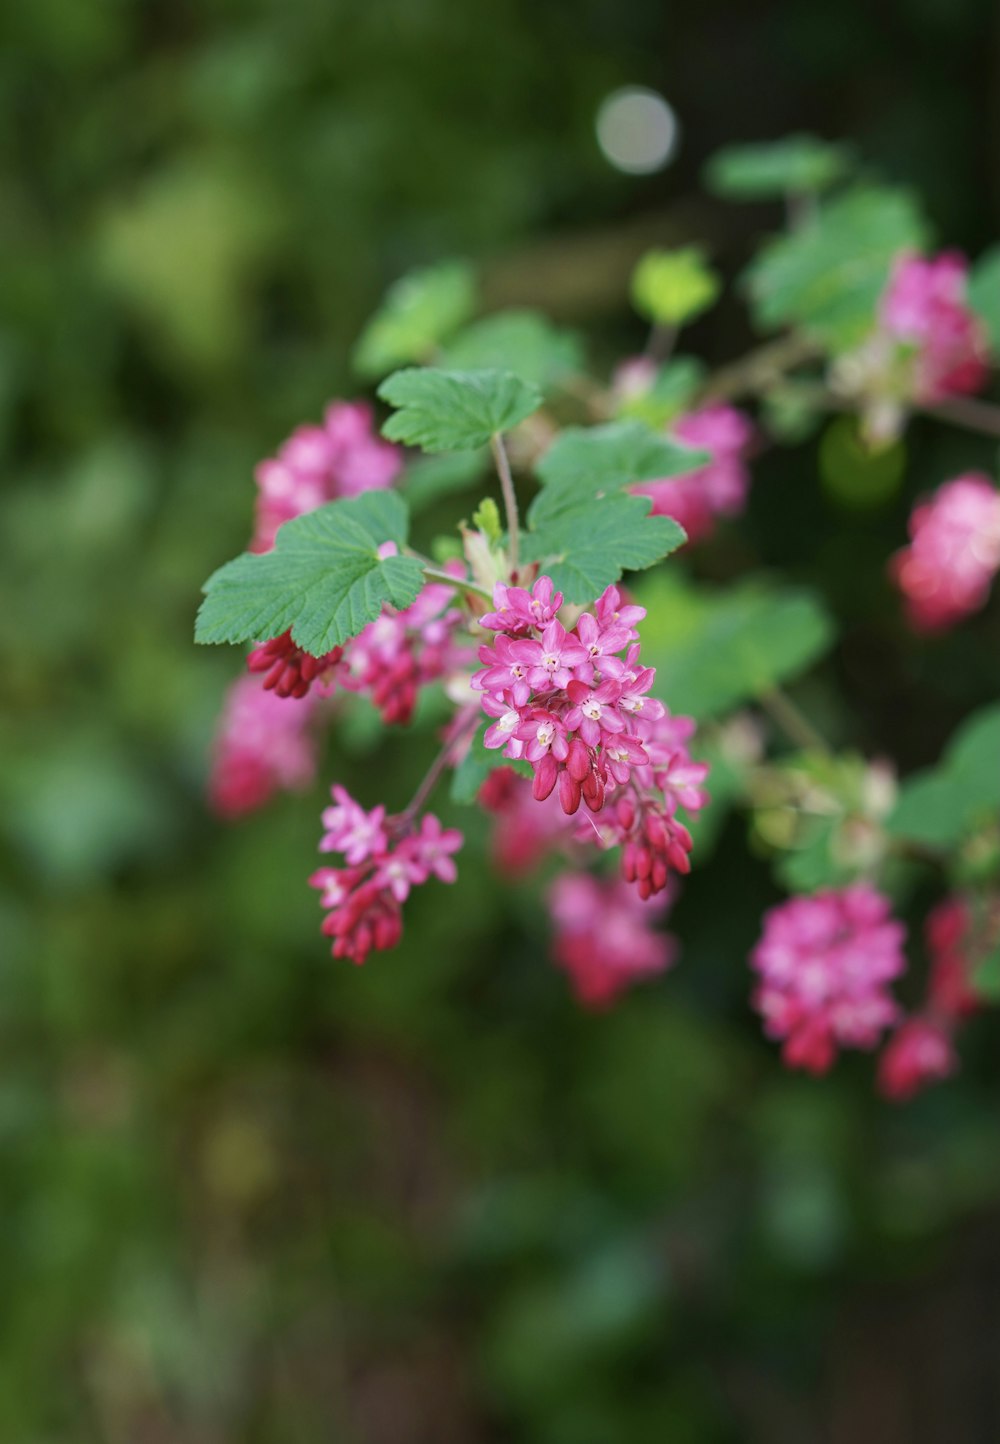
637	130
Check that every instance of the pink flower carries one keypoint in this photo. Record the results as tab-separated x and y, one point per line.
924	309
517	610
606	937
954	553
386	857
824	963
317	464
264	744
288	670
919	1052
949	935
720	488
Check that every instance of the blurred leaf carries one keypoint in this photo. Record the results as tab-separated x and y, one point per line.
428	478
455	410
941	805
324	579
715	651
524	342
827	276
672	391
419	312
855	474
796	165
477	764
984	293
671	287
586	462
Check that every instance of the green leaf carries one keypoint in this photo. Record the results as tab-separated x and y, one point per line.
717	650
477	764
586	462
827	276
671	287
416	315
940	806
585	547
524	342
986	977
796	165
324	579
428	478
670	393
984	293
455	410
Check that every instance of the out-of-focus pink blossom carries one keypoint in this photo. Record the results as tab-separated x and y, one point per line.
925	309
400	652
825	962
524	830
385	858
264	744
720	488
919	1052
342	457
606	937
954	553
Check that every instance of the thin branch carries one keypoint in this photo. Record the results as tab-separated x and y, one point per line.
509	497
792	722
461	584
465	723
968	412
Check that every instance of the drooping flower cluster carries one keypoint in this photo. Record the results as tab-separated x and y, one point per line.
922	1049
954	553
927	345
825	962
342	457
580	713
384	858
719	488
290	672
524	830
264	744
403	651
606	937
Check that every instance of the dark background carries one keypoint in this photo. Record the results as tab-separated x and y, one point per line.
251	1195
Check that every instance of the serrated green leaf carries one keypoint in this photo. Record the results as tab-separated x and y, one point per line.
418	312
586	547
455	410
796	165
585	462
827	276
941	805
984	293
477	764
671	287
428	478
524	342
324	579
717	650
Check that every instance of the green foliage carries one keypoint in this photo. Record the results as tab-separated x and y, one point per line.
477	764
826	277
674	388
586	544
724	648
984	293
796	165
940	806
525	342
584	462
418	313
671	287
455	410
324	579
427	479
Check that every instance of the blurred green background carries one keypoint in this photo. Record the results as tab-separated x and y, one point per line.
248	1194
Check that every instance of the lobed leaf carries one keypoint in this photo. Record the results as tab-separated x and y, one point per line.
587	546
671	287
524	342
416	315
587	462
324	579
455	410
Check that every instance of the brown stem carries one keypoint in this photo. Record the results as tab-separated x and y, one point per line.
509	497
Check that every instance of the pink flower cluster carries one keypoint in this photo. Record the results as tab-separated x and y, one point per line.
606	937
825	963
403	651
264	744
580	713
317	464
719	488
384	858
922	1049
954	553
924	310
287	670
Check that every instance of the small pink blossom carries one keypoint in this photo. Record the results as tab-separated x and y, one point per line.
696	499
358	834
317	464
925	309
919	1052
946	572
264	744
606	937
517	610
825	963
